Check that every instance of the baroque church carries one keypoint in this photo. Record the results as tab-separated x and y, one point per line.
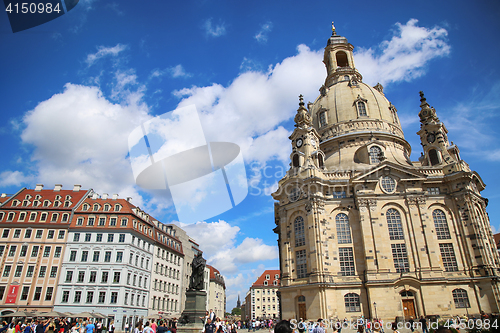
365	231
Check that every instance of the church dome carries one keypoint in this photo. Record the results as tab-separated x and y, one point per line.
350	105
357	126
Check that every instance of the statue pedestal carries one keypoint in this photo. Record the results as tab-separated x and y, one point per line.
195	308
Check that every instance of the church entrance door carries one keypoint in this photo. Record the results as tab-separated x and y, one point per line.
302	311
409	308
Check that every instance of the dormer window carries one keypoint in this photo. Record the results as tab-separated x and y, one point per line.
360	104
38	197
85	207
107	208
268	277
265	283
346	77
375	153
46	203
56	203
25	203
117	208
361	109
67	203
95	208
322	119
36	203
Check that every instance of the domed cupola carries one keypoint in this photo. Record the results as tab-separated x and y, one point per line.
351	112
339	60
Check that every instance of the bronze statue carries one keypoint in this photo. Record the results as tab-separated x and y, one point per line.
197	282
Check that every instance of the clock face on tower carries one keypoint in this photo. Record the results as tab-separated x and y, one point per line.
299	143
313	142
431	137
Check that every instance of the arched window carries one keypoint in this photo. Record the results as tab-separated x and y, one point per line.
321	163
343	229
433	157
352	303
302	299
394	224
441	224
295	161
300	236
460	298
375	152
341	57
361	109
346	77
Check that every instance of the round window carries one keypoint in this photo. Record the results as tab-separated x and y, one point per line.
388	184
294	194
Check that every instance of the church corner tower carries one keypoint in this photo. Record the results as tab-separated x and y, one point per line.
362	229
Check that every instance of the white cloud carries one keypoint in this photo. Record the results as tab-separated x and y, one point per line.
214	31
79	137
103	51
262	34
14	178
218	242
471	123
405	56
255	103
248	65
174	71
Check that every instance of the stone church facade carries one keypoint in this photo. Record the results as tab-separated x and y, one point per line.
362	229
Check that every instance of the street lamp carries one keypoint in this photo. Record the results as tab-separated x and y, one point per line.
375	306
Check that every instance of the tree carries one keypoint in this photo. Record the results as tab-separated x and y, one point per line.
236	312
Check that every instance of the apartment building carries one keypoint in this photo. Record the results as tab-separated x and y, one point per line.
262	301
167	274
34	226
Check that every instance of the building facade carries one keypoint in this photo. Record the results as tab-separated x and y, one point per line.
108	260
362	229
76	250
34	231
167	275
216	292
262	301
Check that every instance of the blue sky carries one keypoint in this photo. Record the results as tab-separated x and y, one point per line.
74	88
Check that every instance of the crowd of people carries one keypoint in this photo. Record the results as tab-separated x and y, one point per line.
55	325
88	325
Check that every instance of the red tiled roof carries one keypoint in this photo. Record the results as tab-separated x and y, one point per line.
216	275
270	282
127	210
3	199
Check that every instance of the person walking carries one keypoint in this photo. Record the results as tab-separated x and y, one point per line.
425	329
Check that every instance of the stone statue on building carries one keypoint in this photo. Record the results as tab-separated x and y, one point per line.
196	281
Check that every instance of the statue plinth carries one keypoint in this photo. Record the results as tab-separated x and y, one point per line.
195	308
